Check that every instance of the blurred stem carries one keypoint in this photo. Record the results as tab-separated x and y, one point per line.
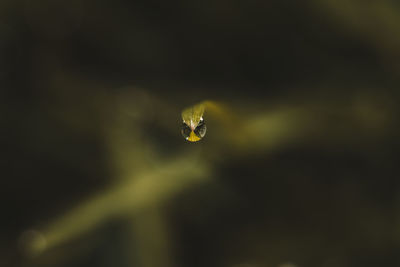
151	238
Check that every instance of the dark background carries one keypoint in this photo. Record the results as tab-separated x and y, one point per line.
318	202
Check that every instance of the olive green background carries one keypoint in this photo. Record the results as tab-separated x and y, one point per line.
301	171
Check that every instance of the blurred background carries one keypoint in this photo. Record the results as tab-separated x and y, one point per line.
299	166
